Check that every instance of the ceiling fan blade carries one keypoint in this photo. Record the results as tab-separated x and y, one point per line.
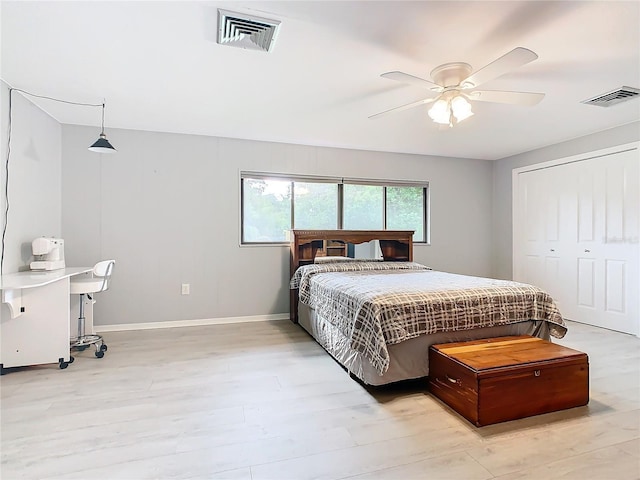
403	107
515	58
406	78
513	98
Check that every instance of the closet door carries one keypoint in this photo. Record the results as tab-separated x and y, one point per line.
542	235
578	238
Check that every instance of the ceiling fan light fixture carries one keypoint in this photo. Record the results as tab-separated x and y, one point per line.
459	103
442	119
440	112
461	108
456	83
463	115
445	110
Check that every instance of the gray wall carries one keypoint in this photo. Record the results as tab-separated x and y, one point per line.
166	207
502	188
34	178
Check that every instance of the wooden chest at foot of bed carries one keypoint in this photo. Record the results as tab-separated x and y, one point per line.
498	379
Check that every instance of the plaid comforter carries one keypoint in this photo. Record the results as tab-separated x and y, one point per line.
375	304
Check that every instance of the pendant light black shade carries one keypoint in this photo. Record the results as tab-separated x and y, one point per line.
102	145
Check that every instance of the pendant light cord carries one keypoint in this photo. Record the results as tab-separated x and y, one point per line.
102	128
6	165
57	99
6	186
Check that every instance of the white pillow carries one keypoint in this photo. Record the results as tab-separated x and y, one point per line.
333	259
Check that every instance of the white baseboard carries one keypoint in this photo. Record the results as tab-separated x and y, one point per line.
189	323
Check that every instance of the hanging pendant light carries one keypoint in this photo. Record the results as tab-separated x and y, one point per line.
102	145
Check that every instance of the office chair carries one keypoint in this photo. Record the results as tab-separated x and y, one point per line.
98	281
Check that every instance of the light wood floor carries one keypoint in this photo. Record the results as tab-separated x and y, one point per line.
264	401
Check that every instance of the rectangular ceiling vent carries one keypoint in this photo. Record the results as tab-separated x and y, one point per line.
246	31
619	95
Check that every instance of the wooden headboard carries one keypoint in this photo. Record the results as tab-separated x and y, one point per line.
396	245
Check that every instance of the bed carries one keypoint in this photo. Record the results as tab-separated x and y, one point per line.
377	317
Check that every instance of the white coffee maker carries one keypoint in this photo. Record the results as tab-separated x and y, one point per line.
48	253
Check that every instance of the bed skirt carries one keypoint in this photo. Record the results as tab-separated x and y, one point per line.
408	359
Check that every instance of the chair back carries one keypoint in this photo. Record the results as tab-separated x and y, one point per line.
104	269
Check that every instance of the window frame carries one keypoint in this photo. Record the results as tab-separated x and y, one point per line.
340	182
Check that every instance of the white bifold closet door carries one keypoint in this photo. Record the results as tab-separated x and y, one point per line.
576	235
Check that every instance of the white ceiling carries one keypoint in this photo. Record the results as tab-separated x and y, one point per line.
159	67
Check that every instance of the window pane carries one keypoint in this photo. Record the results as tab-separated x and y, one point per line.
363	207
315	205
266	210
405	210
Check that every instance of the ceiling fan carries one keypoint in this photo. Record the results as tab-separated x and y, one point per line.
454	84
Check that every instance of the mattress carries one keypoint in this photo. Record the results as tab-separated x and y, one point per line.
378	304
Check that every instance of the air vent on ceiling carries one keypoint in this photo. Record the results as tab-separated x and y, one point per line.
619	95
246	31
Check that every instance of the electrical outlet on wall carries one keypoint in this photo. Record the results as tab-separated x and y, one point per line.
186	289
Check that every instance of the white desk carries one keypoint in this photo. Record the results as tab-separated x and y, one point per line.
36	330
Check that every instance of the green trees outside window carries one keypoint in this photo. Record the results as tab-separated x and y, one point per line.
272	206
405	210
363	207
266	210
315	205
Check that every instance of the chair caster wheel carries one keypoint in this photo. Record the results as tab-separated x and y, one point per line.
63	365
100	354
103	347
71	359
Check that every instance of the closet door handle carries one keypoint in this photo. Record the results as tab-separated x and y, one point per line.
586	251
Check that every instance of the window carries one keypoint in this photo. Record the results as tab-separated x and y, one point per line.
363	207
266	210
315	205
405	209
272	204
